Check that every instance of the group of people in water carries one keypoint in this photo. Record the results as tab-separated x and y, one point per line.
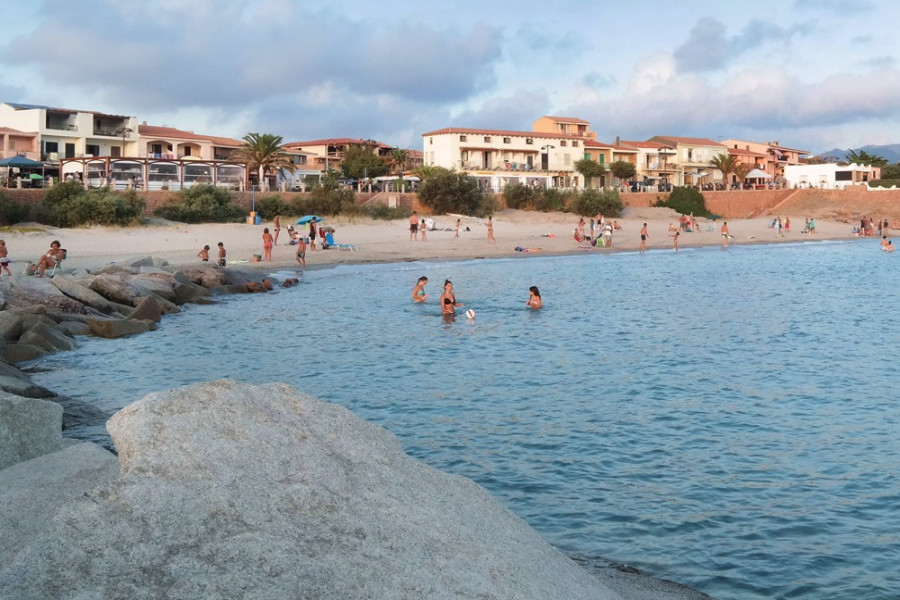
449	303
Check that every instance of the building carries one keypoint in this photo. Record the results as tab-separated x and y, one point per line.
654	162
19	143
690	158
829	176
770	157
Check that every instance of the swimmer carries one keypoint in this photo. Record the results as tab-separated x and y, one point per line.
448	300
534	298
490	230
418	293
889	247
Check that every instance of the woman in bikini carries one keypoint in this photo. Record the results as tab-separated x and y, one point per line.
267	244
49	260
534	298
418	293
448	300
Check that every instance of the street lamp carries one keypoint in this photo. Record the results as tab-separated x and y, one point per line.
124	132
547	150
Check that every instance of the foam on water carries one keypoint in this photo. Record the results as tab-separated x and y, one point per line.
723	418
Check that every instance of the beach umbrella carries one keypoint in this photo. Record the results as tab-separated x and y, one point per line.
35	176
305	220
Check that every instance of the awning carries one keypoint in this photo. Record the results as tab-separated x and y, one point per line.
21	162
758	174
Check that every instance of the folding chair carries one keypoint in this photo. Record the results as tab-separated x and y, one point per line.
58	263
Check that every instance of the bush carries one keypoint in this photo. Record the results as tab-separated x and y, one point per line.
551	199
70	205
596	202
454	193
686	200
884	183
269	206
519	196
12	212
202	204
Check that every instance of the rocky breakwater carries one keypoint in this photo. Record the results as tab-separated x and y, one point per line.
226	490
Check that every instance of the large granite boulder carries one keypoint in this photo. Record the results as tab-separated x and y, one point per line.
28	428
82	293
17	352
50	338
116	328
10	325
235	491
114	288
148	308
150	284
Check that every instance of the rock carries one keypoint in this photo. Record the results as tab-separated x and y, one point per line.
24	387
116	328
148	308
51	339
114	289
146	261
83	294
8	370
231	288
28	428
32	492
290	282
146	285
188	292
74	328
235	491
10	325
19	352
29	321
206	276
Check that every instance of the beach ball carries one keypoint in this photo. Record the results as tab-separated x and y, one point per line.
470	314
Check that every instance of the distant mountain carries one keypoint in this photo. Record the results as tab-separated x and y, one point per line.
889	151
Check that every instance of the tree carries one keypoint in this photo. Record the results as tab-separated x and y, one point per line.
861	157
589	169
426	172
361	161
453	192
596	202
741	171
398	159
891	172
264	154
623	170
727	163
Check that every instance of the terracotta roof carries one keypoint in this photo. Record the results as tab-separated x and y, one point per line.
171	132
502	132
567	120
338	142
687	140
745	152
791	149
647	144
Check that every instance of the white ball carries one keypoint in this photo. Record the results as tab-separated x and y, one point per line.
470	314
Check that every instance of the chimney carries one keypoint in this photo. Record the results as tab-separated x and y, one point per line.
618	141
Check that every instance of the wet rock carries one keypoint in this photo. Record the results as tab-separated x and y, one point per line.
51	339
148	308
231	288
114	289
17	352
10	325
82	293
24	387
188	292
230	490
116	328
28	428
147	285
74	328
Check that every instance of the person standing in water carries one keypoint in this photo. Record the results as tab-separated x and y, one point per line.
418	293
448	300
725	234
534	298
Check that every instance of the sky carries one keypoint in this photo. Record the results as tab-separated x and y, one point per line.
811	74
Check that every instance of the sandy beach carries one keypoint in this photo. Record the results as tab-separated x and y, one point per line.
388	241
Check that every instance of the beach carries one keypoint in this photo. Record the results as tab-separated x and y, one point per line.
389	241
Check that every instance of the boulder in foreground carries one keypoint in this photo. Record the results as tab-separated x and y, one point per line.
228	490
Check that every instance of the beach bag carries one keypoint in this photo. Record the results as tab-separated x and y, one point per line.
30	268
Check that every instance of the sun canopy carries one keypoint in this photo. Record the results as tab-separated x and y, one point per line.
758	174
21	162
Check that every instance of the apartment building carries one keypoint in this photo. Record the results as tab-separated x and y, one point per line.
691	158
770	157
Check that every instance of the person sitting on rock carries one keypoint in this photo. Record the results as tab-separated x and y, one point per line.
50	259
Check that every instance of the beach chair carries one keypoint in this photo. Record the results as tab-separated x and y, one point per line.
59	262
330	243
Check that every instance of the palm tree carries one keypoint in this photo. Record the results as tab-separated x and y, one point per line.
264	153
426	172
727	163
741	171
398	158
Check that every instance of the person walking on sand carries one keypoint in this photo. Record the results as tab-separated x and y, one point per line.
267	244
534	298
222	253
644	236
490	230
423	227
4	259
301	251
456	235
276	225
414	226
204	253
725	234
418	293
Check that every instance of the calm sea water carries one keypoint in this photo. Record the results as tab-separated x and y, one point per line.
724	418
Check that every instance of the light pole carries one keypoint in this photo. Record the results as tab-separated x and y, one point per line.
547	150
124	132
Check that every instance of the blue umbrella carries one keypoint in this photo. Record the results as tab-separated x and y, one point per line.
305	220
21	162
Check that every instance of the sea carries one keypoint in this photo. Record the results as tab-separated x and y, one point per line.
724	418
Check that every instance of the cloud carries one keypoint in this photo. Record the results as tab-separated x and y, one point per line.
220	54
839	7
708	48
514	112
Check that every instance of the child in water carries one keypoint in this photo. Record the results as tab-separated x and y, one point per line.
418	293
534	298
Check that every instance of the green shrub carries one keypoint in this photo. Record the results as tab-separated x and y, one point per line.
269	206
12	212
452	192
686	200
885	183
519	196
202	204
70	205
550	199
385	212
326	200
597	202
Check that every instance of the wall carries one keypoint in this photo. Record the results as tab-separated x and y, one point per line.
732	204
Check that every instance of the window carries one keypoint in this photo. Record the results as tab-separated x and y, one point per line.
602	158
690	155
465	156
462	138
843	175
562	143
51	146
92	150
529	141
507	140
487	139
430	141
115	151
574	143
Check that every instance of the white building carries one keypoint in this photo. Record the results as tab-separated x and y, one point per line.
829	176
